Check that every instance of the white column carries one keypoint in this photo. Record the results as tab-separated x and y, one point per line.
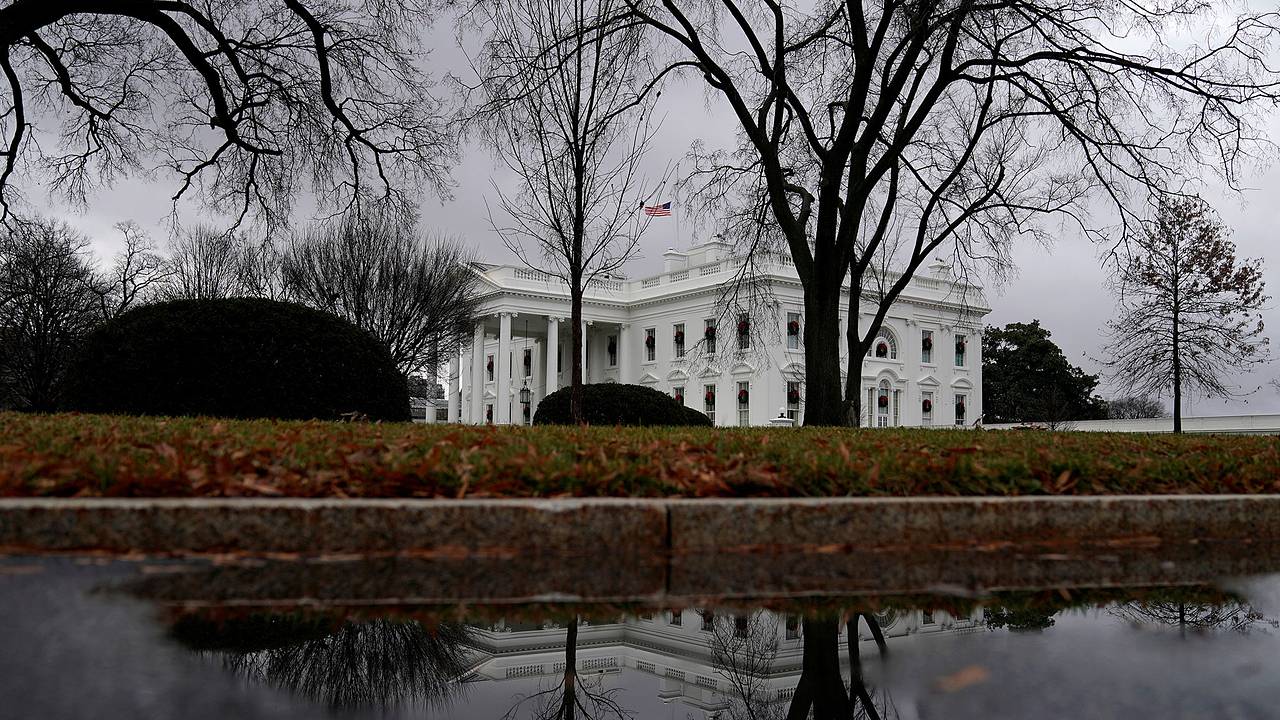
502	414
585	380
477	376
455	386
626	355
553	355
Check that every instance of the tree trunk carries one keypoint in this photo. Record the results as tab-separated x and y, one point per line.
824	402
575	363
570	701
820	683
853	378
1177	370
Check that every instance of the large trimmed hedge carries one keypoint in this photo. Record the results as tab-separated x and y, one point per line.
240	358
616	404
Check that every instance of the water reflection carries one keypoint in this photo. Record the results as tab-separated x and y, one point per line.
796	663
382	663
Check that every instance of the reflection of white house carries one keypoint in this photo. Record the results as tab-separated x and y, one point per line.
679	649
667	332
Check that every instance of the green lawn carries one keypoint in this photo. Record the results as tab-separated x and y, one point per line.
67	455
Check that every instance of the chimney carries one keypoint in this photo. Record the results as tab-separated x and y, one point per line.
673	260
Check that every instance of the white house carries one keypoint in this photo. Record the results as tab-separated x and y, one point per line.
666	332
683	650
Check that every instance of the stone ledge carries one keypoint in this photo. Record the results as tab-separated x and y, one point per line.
623	528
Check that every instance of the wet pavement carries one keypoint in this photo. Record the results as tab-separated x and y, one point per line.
96	637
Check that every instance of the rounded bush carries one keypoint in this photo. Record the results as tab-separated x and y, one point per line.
615	404
238	358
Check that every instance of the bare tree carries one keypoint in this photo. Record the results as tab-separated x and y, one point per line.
245	103
1133	407
561	106
206	264
574	696
1190	311
417	295
138	273
743	650
950	127
50	297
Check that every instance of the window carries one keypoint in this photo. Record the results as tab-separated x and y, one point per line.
793	331
961	344
744	404
488	366
793	627
926	346
613	350
744	332
885	346
709	335
677	617
677	392
650	344
897	408
708	620
882	404
926	408
926	617
793	400
677	339
959	409
709	402
740	626
528	362
488	413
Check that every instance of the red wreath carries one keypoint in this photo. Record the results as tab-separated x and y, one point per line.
489	367
743	327
679	337
960	409
680	398
710	398
793	327
650	341
883	401
927	405
882	350
743	396
488	413
927	343
793	397
710	333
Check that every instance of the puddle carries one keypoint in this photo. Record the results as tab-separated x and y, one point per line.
103	638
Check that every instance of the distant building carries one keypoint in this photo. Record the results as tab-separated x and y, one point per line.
685	650
665	332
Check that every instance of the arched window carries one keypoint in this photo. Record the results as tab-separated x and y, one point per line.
885	346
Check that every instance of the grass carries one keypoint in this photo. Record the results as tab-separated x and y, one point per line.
87	455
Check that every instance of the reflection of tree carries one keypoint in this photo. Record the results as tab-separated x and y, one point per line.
821	688
744	651
1231	615
380	663
1020	619
573	697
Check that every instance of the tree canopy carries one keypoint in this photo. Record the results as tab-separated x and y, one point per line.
1026	378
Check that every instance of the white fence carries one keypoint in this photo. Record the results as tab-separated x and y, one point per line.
1224	424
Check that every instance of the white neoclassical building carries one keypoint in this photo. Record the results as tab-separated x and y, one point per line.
666	332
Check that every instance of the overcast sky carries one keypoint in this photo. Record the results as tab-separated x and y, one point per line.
1063	287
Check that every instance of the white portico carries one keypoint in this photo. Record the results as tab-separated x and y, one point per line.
670	332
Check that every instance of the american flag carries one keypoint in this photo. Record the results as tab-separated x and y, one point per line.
663	210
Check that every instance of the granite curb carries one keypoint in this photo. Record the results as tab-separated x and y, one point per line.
615	529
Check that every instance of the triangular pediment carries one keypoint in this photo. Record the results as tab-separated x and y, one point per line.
677	375
962	384
648	379
928	381
743	369
711	371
